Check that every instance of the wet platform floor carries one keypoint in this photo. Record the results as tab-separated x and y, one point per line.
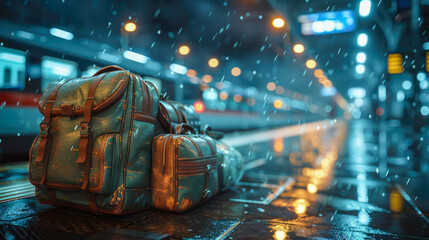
321	183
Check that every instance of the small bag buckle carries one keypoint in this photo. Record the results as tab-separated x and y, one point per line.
84	126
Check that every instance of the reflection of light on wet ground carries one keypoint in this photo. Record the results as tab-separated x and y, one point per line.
279	235
364	217
311	188
396	201
300	206
362	188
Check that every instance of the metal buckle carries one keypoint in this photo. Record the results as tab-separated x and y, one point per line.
206	193
44	129
84	128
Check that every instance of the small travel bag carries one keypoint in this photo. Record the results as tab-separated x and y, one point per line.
184	170
230	165
172	113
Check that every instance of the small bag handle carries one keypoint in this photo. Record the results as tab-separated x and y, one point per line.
207	130
108	69
183	128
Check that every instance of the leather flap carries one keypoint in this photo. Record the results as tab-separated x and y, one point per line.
74	92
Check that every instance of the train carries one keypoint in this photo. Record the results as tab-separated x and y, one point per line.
27	68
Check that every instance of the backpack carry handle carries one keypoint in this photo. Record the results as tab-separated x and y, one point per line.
183	128
108	69
207	130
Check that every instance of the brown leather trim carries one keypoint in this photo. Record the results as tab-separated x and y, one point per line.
31	159
144	117
102	153
96	107
208	142
145	95
108	69
52	196
93	203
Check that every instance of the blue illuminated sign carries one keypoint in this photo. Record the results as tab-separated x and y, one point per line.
327	22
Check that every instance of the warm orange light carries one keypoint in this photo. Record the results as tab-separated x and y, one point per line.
238	98
184	50
207	78
311	188
251	101
236	71
271	86
310	64
279	235
191	73
298	48
318	73
327	83
199	107
300	206
278	103
278	145
322	79
278	22
130	27
223	95
213	62
280	90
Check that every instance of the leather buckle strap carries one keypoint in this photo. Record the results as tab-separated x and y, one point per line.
85	144
85	129
44	129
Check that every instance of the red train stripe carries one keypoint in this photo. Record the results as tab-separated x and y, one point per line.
19	99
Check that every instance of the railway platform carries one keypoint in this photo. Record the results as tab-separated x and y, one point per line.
319	180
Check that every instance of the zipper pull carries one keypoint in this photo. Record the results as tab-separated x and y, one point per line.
207	191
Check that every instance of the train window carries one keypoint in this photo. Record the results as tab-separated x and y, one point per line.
12	62
55	69
7	76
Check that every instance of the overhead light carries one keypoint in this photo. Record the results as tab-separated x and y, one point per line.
26	35
184	50
278	103
278	22
407	85
61	33
328	91
356	92
362	39
114	58
318	73
58	68
130	27
364	8
360	68
178	68
310	64
213	62
426	46
382	93
235	71
137	57
191	73
298	48
421	76
361	57
11	57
